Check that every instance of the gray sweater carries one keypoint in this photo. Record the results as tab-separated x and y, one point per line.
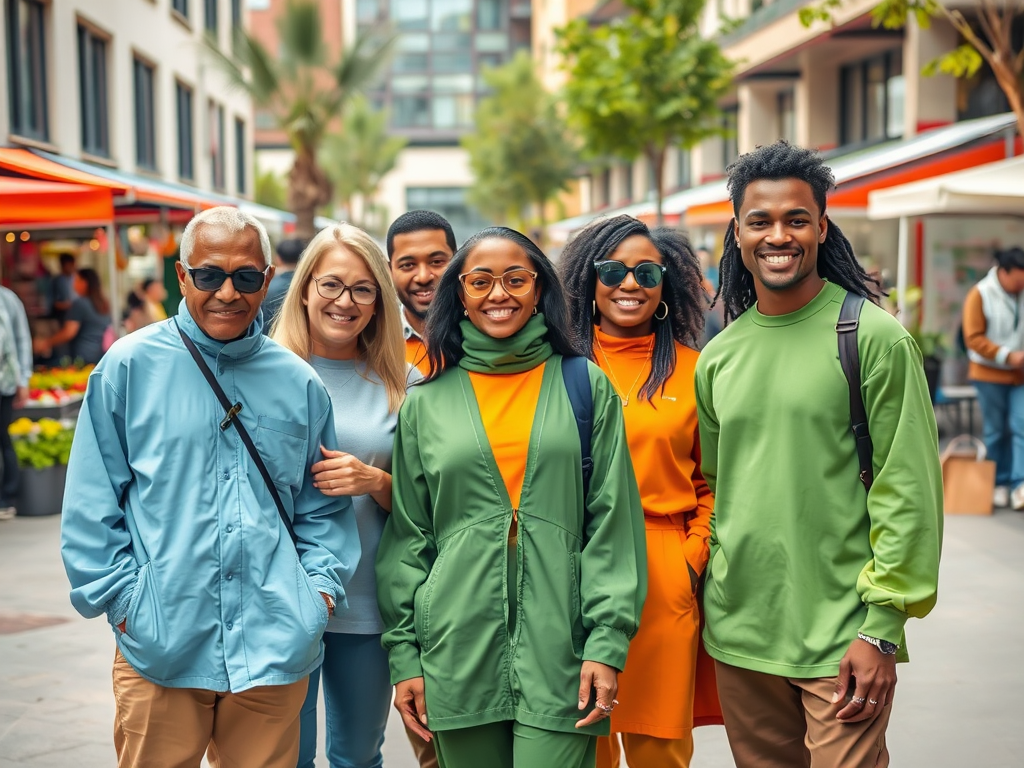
365	429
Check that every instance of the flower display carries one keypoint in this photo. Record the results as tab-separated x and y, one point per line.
43	443
56	386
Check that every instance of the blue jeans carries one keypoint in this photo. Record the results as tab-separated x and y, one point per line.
357	693
1002	410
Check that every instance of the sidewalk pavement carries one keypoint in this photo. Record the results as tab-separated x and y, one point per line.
960	703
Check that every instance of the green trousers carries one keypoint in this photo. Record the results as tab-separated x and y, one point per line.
509	744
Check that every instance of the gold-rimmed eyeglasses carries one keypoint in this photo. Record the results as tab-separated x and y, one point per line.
515	282
331	288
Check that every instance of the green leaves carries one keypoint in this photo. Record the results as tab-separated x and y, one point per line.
963	61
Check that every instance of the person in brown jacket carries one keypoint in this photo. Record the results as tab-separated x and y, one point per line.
993	325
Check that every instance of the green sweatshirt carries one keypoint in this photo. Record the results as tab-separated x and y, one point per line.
442	567
801	557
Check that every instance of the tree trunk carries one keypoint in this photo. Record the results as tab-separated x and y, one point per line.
308	189
656	158
1010	81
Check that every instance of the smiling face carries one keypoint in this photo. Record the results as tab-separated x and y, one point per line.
416	266
224	314
335	324
499	314
626	309
778	230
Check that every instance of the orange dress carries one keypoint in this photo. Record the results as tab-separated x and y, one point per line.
668	684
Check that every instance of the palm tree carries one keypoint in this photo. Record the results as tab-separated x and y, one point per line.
304	91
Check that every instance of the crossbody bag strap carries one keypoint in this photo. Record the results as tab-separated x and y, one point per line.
849	358
577	385
231	418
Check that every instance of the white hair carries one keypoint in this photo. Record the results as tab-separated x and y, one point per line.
229	218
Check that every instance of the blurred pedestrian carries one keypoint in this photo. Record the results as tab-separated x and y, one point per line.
15	371
994	335
154	294
638	300
85	326
508	597
62	287
286	257
341	315
811	578
200	534
420	245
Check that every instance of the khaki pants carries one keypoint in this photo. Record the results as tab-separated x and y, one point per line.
158	727
785	722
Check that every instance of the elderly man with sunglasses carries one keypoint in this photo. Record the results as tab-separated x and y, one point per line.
191	520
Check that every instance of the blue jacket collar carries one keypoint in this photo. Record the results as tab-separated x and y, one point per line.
239	349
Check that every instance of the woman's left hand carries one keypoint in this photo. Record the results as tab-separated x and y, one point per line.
342	474
604	680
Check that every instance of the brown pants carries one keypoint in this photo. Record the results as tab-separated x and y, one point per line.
785	722
425	753
158	727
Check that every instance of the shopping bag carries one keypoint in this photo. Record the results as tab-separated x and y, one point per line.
968	478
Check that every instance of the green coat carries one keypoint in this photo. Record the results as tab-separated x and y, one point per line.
442	568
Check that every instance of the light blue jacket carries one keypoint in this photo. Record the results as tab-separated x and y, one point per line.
168	524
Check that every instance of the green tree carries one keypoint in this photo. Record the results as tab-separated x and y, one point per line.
358	158
270	189
988	38
520	150
644	82
305	90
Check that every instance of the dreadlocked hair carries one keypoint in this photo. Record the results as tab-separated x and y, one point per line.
682	289
443	336
836	260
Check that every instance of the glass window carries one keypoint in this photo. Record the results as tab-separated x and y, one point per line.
417	42
258	5
492	41
730	144
627	182
411	112
453	111
683	168
210	17
367	11
181	6
491	14
240	156
451	203
410	62
871	99
215	114
145	131
453	83
410	14
452	41
460	61
409	83
264	120
183	99
490	59
92	82
787	115
236	15
26	69
451	15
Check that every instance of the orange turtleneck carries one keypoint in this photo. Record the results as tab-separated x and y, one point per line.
663	440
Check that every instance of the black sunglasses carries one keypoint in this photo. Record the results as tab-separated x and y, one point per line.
612	273
210	279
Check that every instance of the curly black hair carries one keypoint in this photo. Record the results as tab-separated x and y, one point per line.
443	336
836	260
682	291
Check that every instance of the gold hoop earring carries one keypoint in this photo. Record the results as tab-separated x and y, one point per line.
660	305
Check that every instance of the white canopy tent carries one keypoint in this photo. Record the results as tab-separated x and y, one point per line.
994	189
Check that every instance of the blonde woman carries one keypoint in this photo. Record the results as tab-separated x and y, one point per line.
341	314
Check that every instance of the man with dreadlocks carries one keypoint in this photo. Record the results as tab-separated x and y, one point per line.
811	577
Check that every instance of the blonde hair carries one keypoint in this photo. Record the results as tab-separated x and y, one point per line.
381	342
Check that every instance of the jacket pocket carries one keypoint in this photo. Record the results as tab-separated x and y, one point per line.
131	623
312	607
575	608
421	604
282	446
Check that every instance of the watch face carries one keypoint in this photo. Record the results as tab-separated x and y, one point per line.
887	648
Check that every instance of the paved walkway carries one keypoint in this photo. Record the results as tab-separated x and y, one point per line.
961	703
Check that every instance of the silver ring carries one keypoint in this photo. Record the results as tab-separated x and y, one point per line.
605	709
859	700
872	702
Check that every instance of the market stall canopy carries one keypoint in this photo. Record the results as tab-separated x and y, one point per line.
31	203
26	163
996	188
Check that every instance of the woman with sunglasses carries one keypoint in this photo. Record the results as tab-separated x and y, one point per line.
638	299
341	313
508	598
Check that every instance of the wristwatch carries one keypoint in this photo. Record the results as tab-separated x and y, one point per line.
330	603
884	646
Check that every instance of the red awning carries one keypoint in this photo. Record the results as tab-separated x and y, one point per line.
32	203
28	164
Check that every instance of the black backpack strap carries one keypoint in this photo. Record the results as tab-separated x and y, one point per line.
849	358
229	419
577	385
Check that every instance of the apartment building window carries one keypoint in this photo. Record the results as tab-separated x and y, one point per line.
210	17
92	88
236	16
216	154
606	187
730	142
490	14
181	6
786	110
186	143
871	99
145	123
682	168
240	156
26	69
627	182
451	203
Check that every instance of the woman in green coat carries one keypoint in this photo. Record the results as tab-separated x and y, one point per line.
508	599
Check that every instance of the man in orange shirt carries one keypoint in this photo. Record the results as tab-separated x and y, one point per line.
420	245
994	335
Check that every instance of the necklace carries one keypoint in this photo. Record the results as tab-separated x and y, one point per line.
615	381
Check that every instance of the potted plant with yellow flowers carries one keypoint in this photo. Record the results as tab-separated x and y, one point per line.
43	448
